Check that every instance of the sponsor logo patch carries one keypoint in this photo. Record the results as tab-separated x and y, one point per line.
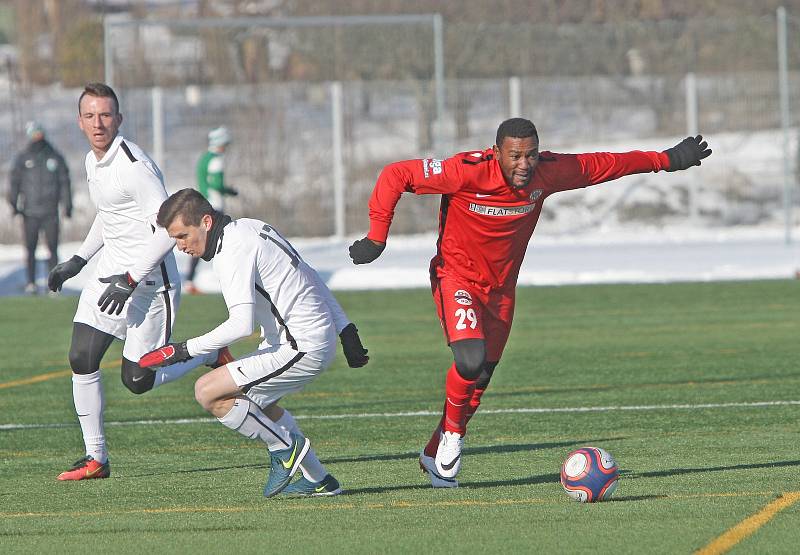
535	194
431	166
500	211
463	297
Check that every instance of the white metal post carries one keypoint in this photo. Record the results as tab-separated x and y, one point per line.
514	97
157	97
692	128
438	63
783	81
338	159
438	82
108	66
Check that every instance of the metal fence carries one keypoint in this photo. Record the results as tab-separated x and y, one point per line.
637	86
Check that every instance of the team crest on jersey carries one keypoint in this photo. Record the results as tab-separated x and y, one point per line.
535	194
431	166
463	297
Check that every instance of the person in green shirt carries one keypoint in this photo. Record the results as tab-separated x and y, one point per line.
211	184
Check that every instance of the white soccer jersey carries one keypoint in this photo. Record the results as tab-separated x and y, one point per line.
255	264
127	188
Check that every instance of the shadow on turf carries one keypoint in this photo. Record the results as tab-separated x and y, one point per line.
410	455
679	471
530	480
488	449
413	455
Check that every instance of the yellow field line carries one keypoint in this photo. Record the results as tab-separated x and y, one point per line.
290	505
748	526
284	506
51	375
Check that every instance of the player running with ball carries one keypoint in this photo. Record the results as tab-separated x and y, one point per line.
491	201
263	279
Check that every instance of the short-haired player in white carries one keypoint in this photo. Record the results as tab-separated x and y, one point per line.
263	280
134	292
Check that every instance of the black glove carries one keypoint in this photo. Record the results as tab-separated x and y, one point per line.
354	351
231	192
62	272
68	212
120	287
687	153
166	355
365	251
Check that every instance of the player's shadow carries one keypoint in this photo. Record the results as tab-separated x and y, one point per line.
413	455
425	485
487	449
628	474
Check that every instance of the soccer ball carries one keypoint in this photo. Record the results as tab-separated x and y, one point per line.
589	474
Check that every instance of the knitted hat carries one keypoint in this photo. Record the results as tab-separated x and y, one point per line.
219	137
32	128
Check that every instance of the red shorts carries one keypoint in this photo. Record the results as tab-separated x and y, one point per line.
468	312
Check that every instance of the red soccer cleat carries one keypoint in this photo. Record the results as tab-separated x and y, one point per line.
86	469
224	357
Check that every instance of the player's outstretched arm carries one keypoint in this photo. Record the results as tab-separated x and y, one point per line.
62	272
687	153
354	351
166	355
365	250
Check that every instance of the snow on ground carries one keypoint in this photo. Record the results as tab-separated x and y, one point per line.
616	256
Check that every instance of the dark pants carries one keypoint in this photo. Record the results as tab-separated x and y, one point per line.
32	225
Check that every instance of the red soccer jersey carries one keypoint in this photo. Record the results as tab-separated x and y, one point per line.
485	225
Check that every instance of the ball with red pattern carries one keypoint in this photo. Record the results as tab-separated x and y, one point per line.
589	474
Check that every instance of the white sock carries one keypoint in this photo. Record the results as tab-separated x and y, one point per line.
312	468
87	393
246	418
172	372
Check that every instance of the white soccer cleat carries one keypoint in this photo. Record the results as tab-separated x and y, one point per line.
448	455
428	466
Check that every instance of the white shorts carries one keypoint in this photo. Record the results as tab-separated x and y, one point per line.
272	372
145	322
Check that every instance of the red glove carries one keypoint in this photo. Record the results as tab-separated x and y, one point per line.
166	355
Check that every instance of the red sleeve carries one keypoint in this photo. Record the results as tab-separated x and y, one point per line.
428	176
573	171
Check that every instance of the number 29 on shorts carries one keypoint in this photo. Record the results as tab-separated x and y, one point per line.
466	317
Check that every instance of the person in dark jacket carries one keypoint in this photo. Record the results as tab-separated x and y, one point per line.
39	183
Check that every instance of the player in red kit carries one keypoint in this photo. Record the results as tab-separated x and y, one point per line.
491	201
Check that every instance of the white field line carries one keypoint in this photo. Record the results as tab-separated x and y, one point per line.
642	408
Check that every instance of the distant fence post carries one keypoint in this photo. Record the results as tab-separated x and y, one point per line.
157	98
692	127
108	62
338	159
783	81
514	97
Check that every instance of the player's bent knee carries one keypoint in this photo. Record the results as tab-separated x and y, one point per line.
137	379
87	348
470	357
202	393
79	360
